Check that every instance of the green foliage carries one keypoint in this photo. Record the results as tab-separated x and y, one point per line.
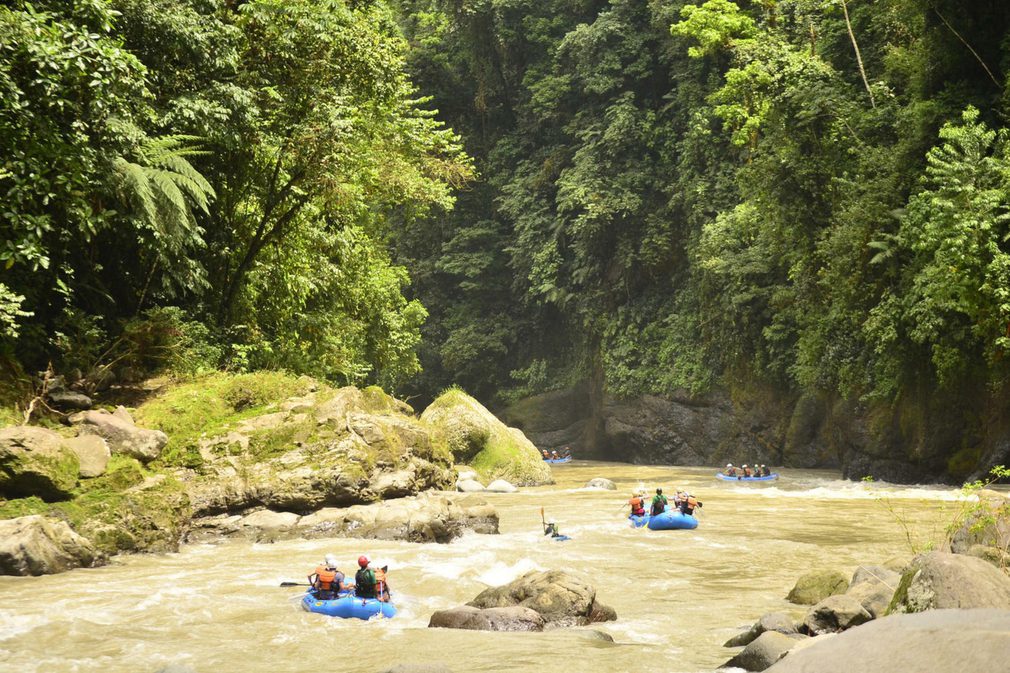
192	181
210	403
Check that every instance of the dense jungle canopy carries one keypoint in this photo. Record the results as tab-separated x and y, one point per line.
511	195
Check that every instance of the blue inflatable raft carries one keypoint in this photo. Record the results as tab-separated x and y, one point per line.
725	477
556	461
672	521
348	606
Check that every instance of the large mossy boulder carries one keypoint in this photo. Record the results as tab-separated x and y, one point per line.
816	585
478	439
36	462
38	545
939	580
293	444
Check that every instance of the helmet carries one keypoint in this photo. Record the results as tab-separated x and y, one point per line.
330	560
729	464
659	491
745	464
362	561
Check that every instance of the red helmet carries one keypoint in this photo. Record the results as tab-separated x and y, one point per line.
362	561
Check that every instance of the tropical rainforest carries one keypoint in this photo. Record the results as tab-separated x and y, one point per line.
513	196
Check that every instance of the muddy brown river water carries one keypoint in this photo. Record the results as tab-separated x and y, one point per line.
678	594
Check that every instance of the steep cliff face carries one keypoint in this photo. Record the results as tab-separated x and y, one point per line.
928	437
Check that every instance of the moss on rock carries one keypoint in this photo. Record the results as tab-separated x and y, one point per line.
478	439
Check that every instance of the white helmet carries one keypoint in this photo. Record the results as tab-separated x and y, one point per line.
729	464
330	560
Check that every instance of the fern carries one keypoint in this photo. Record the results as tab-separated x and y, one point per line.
163	188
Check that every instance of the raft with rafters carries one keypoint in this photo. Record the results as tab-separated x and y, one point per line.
348	606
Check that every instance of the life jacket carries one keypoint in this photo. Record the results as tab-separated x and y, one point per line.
659	504
748	472
637	506
325	578
364	583
688	504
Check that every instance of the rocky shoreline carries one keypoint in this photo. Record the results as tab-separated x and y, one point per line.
228	456
890	610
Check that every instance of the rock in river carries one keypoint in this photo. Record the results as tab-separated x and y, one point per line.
764	651
38	545
427	517
561	598
816	585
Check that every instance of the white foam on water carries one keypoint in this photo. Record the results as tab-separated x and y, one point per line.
838	490
13	624
502	573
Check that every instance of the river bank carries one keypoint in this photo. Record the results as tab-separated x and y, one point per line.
679	596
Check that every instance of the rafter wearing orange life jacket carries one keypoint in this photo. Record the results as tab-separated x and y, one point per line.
637	506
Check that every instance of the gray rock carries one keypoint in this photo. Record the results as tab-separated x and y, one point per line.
69	400
38	545
764	651
986	525
92	453
511	618
600	482
500	486
773	621
817	585
469	486
35	461
562	599
833	614
122	435
938	641
428	517
939	580
874	587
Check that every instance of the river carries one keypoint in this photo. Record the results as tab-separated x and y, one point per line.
678	594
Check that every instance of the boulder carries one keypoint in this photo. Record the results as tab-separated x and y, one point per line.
763	651
469	486
600	482
123	436
513	618
38	545
986	525
35	461
477	438
428	517
561	598
816	585
940	580
834	614
68	400
874	587
938	641
500	486
92	453
773	621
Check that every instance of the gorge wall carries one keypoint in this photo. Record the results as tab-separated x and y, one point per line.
926	438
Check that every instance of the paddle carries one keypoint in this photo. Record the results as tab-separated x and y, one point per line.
543	521
295	584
